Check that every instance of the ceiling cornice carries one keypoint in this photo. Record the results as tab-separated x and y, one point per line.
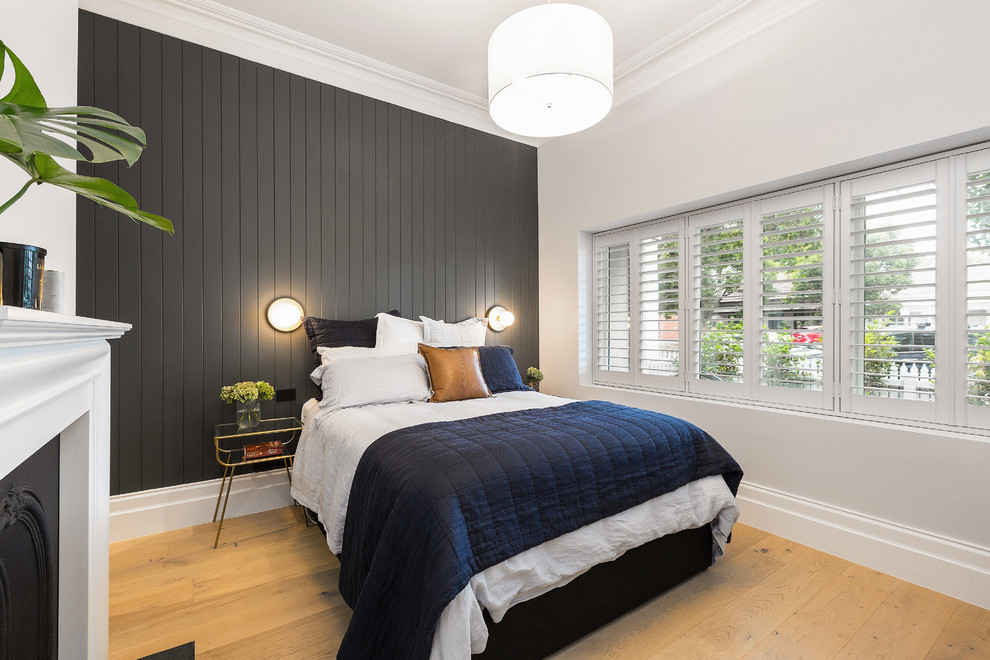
232	31
723	26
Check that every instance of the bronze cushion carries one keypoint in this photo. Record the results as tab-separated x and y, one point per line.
455	373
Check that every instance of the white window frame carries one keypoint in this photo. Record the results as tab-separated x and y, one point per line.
963	166
948	412
676	383
605	376
903	409
697	222
823	399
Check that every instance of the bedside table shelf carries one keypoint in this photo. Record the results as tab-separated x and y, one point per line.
229	441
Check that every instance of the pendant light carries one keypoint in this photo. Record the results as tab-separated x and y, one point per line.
550	70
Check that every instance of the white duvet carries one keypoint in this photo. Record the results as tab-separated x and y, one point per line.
331	445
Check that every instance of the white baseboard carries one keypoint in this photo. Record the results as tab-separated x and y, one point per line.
945	565
164	509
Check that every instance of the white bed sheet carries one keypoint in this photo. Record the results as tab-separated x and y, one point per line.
331	445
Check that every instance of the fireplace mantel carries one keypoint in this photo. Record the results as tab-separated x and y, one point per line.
55	379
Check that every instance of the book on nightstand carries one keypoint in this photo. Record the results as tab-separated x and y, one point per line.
263	450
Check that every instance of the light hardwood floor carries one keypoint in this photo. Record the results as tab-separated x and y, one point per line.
270	591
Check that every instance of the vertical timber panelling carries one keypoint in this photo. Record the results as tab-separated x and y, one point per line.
128	256
173	305
193	248
265	138
151	275
282	254
278	186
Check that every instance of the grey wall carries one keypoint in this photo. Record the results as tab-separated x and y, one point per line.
278	186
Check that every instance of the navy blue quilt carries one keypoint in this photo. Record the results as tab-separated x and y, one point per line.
431	505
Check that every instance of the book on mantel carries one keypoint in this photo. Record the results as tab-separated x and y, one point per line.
263	450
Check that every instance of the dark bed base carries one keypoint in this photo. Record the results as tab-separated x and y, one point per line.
539	627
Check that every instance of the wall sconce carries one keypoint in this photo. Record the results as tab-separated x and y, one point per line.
285	314
499	318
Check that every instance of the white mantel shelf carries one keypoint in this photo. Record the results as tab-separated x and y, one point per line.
30	327
55	381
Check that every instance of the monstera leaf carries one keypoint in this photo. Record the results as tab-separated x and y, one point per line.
31	134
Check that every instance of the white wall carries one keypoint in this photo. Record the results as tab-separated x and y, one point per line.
843	81
44	36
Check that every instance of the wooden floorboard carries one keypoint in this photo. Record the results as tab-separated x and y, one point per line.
823	625
965	636
270	591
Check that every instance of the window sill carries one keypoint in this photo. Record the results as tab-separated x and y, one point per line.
930	428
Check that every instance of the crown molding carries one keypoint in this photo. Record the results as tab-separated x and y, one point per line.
232	31
213	25
725	25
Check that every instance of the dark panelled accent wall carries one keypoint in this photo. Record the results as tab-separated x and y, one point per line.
278	186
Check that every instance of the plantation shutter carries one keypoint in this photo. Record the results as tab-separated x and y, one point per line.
659	291
868	296
890	270
613	308
795	282
975	177
718	300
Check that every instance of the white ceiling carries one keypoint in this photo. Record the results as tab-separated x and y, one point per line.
430	56
447	40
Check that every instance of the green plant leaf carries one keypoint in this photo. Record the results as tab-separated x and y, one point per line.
99	190
24	91
31	134
28	130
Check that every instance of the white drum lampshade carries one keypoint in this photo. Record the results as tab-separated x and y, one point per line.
550	70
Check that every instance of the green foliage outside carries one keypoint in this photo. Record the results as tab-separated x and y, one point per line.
978	371
878	348
721	289
978	350
791	291
780	365
721	349
978	343
668	280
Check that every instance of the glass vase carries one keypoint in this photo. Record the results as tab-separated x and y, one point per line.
248	414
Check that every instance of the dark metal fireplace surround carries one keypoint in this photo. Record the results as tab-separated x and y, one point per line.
29	557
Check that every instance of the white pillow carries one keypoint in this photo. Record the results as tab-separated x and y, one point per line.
466	333
394	330
351	382
330	353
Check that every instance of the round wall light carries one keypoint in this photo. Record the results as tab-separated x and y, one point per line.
499	318
285	314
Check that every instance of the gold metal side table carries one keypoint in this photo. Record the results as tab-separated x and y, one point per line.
229	441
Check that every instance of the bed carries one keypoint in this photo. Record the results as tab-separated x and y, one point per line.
524	553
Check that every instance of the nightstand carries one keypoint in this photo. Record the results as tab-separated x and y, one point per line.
230	442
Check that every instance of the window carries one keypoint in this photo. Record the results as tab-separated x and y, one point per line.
718	301
638	314
660	304
795	318
613	311
891	277
867	295
975	176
